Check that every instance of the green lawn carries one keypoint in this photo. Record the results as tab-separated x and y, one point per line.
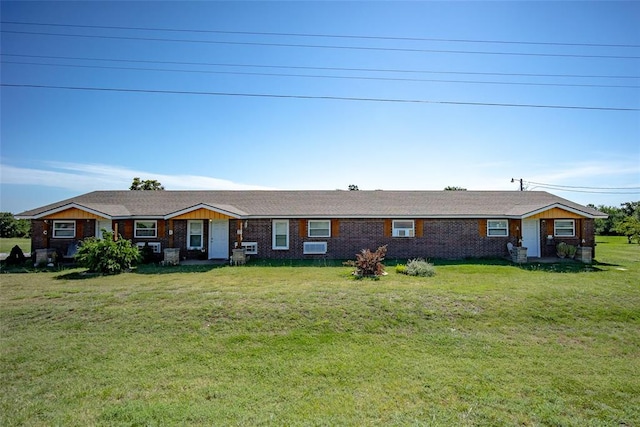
7	243
478	344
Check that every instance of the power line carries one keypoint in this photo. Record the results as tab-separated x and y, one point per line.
384	70
323	76
576	186
313	46
580	189
333	98
365	37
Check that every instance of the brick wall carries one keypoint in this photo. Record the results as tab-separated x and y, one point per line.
454	238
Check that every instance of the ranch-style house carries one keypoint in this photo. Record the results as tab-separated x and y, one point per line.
310	224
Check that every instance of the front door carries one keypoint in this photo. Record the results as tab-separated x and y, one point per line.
531	236
219	239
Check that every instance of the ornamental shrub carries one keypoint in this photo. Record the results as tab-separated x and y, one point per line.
107	256
369	264
419	267
401	269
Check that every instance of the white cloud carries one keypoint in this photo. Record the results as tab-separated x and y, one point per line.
89	177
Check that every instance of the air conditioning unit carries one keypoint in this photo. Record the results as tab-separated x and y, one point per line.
404	232
311	248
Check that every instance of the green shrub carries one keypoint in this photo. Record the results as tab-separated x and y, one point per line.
107	256
401	269
419	267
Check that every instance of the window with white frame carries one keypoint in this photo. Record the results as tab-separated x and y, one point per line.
564	228
311	248
64	229
250	248
403	228
195	231
146	228
156	246
497	227
319	228
280	234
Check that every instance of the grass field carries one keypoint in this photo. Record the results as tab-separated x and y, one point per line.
7	243
478	344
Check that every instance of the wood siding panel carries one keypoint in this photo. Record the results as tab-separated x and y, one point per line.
73	213
161	228
335	228
128	229
388	227
555	213
482	227
549	231
302	228
203	214
419	228
515	227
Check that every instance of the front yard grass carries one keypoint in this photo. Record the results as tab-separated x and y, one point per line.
477	344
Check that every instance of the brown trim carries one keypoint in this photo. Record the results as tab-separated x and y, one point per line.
128	229
388	227
302	228
482	227
335	227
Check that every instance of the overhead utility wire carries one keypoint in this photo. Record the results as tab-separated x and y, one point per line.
347	36
313	46
334	98
382	70
586	191
244	73
589	188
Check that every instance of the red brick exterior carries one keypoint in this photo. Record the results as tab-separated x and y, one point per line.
449	238
435	238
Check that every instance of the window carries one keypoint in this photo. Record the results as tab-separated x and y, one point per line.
250	248
64	229
310	248
281	234
146	228
564	228
153	245
402	228
319	228
194	233
498	227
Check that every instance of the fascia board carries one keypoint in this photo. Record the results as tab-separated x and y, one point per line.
563	207
203	206
70	206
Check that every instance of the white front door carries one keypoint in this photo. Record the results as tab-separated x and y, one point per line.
531	236
219	239
100	224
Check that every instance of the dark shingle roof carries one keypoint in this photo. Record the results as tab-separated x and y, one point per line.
294	204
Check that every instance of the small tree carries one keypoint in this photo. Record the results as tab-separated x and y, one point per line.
106	255
629	227
454	188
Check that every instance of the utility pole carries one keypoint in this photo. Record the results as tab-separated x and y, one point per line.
521	185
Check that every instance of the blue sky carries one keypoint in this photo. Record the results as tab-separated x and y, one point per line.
341	114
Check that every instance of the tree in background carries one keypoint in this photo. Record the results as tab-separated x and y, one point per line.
454	188
629	227
147	184
353	187
12	227
621	221
606	227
